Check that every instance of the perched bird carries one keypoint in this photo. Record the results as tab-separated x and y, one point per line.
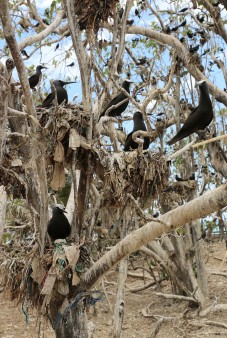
138	125
142	61
183	23
58	226
62	94
217	3
183	10
206	51
193	49
35	78
200	18
23	52
167	29
190	178
116	100
190	35
129	22
137	13
71	64
199	118
174	29
57	46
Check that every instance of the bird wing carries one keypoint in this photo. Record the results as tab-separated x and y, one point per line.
48	100
115	101
32	79
188	127
192	119
128	141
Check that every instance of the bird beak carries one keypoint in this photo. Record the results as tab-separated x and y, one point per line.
65	211
65	83
44	67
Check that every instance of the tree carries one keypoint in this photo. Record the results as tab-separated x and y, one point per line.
107	185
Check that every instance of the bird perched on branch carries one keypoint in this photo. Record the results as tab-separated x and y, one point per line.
199	118
117	100
58	226
138	125
62	95
35	78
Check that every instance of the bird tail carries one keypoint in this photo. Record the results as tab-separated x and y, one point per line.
179	136
173	140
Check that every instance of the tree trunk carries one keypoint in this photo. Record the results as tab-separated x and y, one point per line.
3	201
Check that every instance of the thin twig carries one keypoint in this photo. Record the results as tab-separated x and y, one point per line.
214	139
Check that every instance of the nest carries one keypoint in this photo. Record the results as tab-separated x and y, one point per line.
143	176
92	13
11	177
31	280
177	194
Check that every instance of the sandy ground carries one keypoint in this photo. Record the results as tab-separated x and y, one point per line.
135	325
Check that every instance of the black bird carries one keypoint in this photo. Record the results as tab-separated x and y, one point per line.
167	30
46	22
183	10
217	3
200	18
138	125
34	79
183	23
137	13
23	52
190	35
206	51
142	61
129	22
71	64
199	118
62	94
57	46
117	99
174	29
190	178
194	49
58	226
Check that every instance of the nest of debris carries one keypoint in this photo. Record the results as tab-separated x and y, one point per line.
92	13
36	281
143	175
177	194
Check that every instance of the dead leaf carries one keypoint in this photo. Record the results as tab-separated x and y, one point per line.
58	180
74	139
59	153
49	284
72	254
38	271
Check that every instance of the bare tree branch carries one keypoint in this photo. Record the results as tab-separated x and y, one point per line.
202	206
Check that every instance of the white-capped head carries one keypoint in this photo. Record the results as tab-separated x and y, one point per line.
199	83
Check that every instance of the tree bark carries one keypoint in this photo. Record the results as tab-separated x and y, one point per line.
3	201
4	89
